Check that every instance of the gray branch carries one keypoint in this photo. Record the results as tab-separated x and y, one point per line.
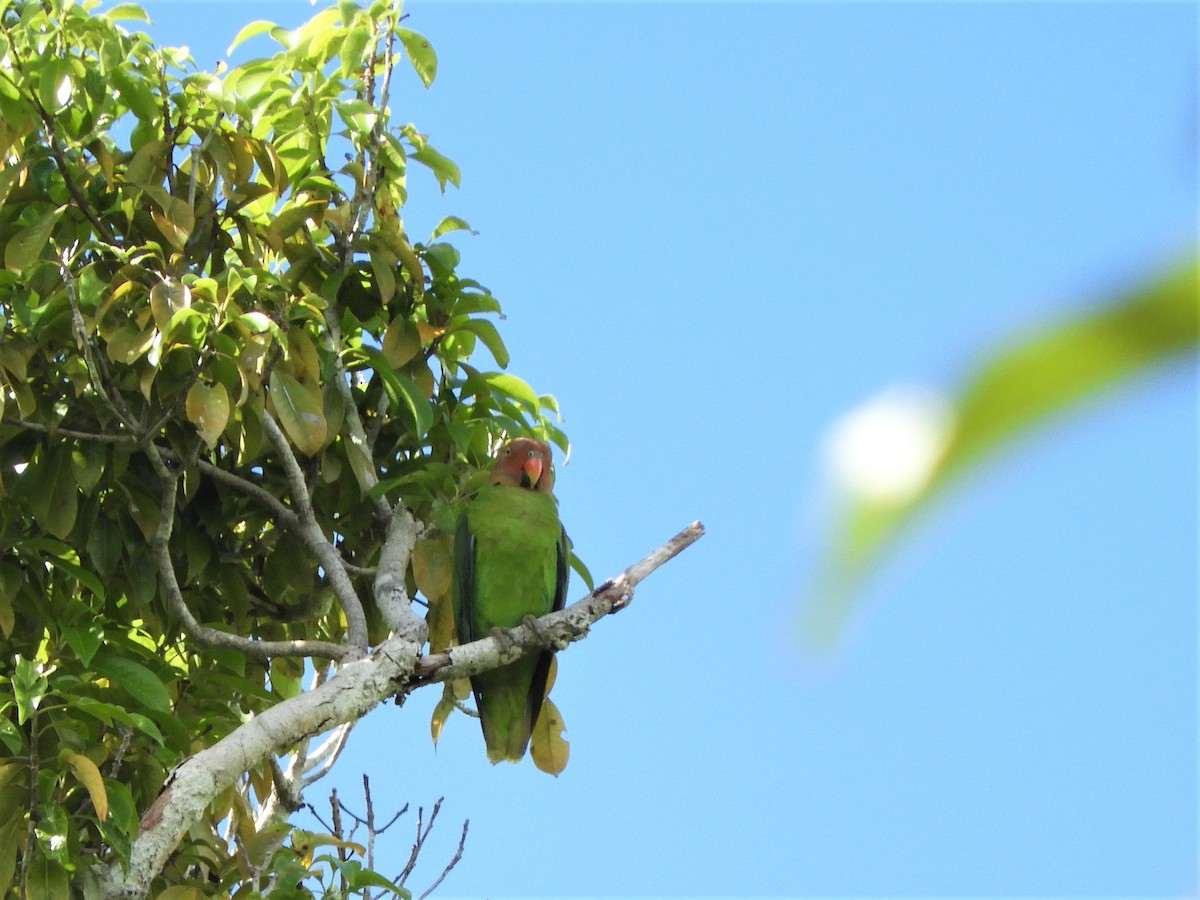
358	687
261	650
318	544
555	630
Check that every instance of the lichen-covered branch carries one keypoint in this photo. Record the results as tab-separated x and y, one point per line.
355	690
555	630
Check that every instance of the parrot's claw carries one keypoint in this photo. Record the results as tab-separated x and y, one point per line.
531	621
502	638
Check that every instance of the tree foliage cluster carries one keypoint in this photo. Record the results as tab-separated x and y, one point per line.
225	366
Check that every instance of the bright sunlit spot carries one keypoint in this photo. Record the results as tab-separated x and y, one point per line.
886	449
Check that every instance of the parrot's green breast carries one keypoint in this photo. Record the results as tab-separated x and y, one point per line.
516	536
510	562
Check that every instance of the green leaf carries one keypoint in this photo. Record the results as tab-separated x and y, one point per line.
45	879
135	680
29	687
79	573
403	392
1020	387
512	386
85	639
258	322
353	45
129	343
126	11
420	54
487	333
110	712
365	878
254	29
300	411
55	85
53	495
8	177
26	246
443	168
448	224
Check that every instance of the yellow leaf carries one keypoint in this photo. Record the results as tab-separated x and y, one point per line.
300	411
433	572
429	333
462	688
175	220
411	263
423	378
129	343
549	750
360	465
440	621
441	713
302	362
208	409
432	566
166	299
13	360
89	776
8	618
401	342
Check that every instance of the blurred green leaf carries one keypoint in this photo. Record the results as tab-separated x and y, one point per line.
1023	384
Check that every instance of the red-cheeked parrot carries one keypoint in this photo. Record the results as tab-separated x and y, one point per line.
510	561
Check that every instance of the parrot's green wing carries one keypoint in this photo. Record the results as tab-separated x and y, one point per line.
537	690
511	561
464	579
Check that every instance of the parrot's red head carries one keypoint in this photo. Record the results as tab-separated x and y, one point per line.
524	463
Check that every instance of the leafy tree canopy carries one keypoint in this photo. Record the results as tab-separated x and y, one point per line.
235	392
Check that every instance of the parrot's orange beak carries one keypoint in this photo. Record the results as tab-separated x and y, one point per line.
533	470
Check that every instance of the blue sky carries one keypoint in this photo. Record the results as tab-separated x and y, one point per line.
715	229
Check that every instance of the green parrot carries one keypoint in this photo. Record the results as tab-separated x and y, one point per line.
510	561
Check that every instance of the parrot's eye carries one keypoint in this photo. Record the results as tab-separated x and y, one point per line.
532	454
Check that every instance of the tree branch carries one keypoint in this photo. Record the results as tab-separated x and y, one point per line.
321	547
260	650
355	690
555	630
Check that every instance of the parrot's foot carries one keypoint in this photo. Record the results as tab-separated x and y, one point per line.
502	638
531	621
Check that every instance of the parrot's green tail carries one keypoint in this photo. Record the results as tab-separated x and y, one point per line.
506	710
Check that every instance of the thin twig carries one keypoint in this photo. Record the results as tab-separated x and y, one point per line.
462	841
321	760
71	433
466	710
419	842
